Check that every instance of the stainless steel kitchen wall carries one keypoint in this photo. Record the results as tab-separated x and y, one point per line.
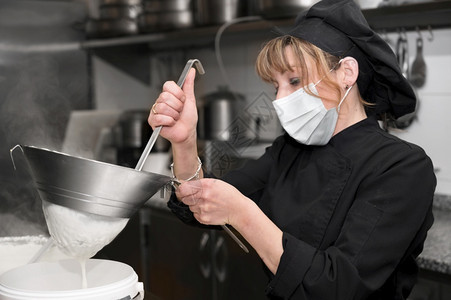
43	77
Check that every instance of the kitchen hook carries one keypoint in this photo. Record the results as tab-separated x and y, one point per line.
402	53
431	34
419	32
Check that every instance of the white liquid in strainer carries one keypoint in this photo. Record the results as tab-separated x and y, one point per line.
78	234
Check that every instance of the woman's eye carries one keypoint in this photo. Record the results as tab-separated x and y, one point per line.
295	81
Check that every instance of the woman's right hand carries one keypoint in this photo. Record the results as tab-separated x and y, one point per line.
175	110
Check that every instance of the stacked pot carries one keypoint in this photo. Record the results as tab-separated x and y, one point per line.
270	9
165	15
128	17
208	12
116	18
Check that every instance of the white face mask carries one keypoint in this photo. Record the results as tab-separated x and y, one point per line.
305	118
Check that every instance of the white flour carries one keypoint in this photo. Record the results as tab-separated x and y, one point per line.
78	234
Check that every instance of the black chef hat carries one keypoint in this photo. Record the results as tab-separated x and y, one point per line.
339	28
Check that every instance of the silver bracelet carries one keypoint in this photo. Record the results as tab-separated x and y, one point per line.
195	176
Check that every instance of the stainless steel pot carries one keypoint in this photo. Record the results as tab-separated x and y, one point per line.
368	4
119	11
153	6
281	8
207	12
88	185
120	2
218	114
111	27
166	15
131	134
165	21
132	130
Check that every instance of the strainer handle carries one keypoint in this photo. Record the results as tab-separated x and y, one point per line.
157	130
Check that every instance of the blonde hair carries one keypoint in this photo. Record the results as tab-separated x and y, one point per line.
273	58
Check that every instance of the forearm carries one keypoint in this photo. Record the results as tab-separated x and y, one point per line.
260	232
185	158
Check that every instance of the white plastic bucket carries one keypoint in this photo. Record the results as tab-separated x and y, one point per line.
16	251
107	280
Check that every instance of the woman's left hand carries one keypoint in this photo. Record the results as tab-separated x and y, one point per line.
215	202
212	201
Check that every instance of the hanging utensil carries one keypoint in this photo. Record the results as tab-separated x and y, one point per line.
402	53
418	70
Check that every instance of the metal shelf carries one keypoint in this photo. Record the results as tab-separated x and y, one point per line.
136	48
436	14
186	37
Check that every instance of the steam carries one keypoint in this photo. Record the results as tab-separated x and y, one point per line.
38	50
22	217
34	111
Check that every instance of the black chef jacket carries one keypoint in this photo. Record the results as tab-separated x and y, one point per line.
354	213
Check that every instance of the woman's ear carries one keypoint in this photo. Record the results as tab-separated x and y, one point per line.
350	71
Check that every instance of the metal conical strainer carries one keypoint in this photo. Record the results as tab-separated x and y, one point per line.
87	203
88	185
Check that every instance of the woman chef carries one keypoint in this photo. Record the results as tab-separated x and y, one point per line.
336	208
